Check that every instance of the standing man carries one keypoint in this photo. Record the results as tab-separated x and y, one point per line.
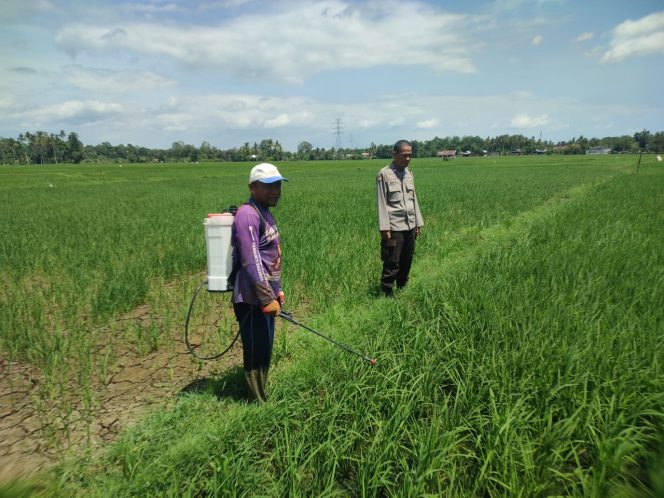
399	218
257	293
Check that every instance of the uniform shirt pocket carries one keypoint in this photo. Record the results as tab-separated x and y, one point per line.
409	186
394	191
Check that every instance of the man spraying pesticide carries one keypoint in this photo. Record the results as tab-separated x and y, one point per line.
255	279
257	293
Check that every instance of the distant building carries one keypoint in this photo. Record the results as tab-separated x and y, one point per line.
366	155
446	154
599	150
516	152
466	153
539	152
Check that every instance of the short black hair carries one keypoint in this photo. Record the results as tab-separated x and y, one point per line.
399	145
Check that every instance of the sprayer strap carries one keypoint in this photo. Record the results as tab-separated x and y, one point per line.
263	223
261	231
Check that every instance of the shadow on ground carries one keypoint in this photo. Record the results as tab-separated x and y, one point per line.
229	385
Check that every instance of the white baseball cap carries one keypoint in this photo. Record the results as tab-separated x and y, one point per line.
265	173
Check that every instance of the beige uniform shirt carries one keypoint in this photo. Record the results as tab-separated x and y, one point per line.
398	209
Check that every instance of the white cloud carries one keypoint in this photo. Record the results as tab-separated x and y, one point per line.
644	36
537	39
77	108
366	123
295	42
398	115
397	121
526	121
228	120
235	111
522	94
109	81
506	5
584	37
594	52
71	112
222	4
427	124
281	120
151	8
285	119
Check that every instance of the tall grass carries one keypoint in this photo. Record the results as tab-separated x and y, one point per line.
84	244
523	359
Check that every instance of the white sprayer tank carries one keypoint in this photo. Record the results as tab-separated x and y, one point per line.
218	233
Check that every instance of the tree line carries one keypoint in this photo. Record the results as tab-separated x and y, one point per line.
41	147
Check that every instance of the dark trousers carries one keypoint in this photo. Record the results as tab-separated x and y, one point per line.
257	332
397	256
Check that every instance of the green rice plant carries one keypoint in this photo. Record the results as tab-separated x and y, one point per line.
523	359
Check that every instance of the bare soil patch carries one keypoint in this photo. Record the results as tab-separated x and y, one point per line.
38	428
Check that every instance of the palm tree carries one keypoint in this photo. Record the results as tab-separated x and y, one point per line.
56	143
40	142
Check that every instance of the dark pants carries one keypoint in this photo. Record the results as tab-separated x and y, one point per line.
257	332
397	256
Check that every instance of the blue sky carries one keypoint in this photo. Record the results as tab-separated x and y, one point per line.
233	71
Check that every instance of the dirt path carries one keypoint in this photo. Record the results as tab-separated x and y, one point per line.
35	433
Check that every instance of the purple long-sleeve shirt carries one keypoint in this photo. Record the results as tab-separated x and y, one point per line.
257	256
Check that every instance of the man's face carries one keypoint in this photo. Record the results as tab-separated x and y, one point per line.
402	158
267	194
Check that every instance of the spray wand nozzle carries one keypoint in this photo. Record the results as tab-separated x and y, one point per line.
289	318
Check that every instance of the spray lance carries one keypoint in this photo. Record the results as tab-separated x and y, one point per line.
289	318
220	276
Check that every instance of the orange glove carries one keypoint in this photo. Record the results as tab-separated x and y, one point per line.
272	308
281	297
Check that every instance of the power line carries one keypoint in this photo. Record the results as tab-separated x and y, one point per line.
338	133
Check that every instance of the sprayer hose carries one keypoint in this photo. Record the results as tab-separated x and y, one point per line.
186	331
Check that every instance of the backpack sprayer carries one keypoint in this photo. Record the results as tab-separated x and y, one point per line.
218	242
218	235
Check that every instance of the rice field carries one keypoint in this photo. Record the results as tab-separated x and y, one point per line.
523	359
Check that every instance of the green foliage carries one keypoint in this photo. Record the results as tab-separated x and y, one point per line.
27	489
44	148
523	359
